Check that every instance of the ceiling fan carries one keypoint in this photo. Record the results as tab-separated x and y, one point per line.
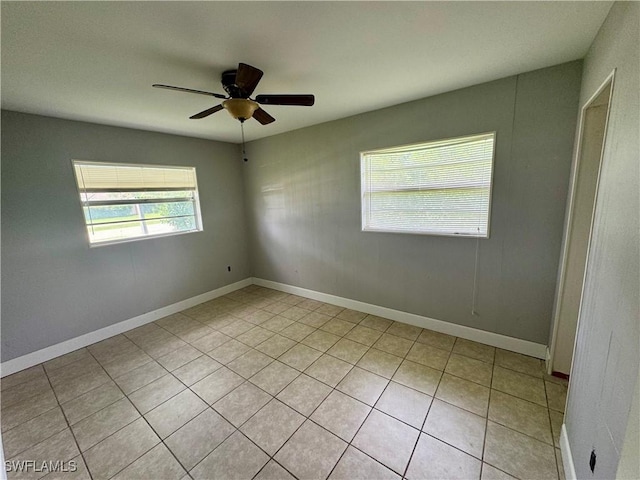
239	85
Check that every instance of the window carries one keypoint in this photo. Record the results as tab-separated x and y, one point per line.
124	201
437	188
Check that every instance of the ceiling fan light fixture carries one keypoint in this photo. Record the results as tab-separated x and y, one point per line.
240	108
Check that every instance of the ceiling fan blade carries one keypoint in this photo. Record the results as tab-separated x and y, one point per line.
207	112
247	78
263	117
188	90
305	100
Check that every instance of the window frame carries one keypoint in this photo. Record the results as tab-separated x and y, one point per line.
196	202
425	143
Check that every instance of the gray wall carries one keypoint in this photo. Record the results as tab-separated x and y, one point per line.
303	206
54	287
605	365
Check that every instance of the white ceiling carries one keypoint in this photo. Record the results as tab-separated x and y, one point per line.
96	61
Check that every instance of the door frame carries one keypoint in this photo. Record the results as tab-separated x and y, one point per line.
568	230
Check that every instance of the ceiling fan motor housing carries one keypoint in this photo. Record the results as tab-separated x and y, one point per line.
229	84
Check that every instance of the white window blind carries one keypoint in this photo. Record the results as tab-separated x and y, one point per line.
122	202
440	188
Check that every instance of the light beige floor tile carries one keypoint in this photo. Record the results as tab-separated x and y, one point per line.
22	392
37	372
328	309
475	350
519	385
352	316
556	396
103	423
518	454
470	369
300	357
273	471
215	386
121	449
348	350
434	460
295	313
520	415
158	391
304	394
310	304
410	332
198	333
89	403
59	447
58	362
387	440
363	385
380	363
315	319
394	345
75	387
365	335
275	346
464	394
436	339
274	377
320	340
519	363
16	414
236	328
341	415
81	471
278	323
377	323
229	351
259	317
329	370
157	463
126	362
250	363
33	432
236	458
312	452
277	307
556	426
179	357
210	341
198	437
355	465
255	336
419	377
460	428
239	405
175	412
163	347
272	426
427	355
297	331
111	348
405	404
492	473
139	377
337	327
196	370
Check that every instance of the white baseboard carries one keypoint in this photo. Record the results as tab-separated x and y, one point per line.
567	458
39	356
489	338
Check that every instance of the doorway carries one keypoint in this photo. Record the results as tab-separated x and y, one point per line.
577	233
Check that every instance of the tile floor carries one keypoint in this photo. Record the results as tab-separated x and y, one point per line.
266	385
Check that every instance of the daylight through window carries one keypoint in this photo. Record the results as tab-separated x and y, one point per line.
126	201
438	188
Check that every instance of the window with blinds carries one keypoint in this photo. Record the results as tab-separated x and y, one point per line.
437	188
122	202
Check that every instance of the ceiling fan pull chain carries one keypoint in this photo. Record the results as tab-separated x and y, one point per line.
244	155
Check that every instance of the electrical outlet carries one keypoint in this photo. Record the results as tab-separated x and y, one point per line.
592	461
